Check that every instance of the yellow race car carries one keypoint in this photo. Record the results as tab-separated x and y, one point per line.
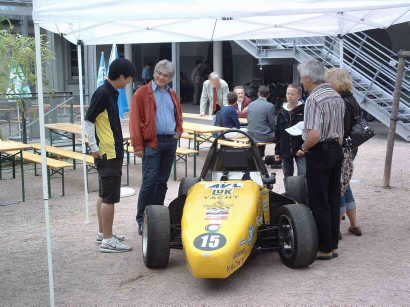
220	217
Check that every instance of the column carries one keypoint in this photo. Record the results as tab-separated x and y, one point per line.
176	61
90	71
295	73
128	56
218	57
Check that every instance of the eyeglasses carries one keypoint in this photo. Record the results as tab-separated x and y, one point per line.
161	74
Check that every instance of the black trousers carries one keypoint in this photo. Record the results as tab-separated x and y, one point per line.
323	171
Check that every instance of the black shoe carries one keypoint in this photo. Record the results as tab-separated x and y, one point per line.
140	229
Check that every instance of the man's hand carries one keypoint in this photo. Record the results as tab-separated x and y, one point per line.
139	153
300	153
96	154
245	110
277	158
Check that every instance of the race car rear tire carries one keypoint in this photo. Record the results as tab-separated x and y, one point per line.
298	235
185	184
156	236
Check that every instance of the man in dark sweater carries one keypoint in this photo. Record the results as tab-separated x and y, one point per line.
287	145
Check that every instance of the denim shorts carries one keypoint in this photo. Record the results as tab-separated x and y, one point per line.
347	201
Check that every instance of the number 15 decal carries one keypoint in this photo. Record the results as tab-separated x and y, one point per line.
210	241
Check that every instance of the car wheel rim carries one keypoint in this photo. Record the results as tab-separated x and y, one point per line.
144	238
286	236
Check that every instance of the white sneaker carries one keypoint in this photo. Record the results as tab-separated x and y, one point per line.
99	237
113	245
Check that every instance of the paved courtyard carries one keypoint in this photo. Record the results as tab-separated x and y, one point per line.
372	269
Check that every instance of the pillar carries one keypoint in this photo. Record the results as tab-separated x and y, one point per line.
128	56
218	58
176	61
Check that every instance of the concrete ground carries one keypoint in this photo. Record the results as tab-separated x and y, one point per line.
372	269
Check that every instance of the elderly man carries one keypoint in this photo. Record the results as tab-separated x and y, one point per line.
261	119
323	134
155	126
214	95
243	101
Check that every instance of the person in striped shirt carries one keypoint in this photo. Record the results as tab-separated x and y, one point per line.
323	136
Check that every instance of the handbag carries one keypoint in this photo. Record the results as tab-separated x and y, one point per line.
361	132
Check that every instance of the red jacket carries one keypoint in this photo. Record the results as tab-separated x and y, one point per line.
143	117
246	102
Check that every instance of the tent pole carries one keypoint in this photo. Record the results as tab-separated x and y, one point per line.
44	176
83	148
403	55
341	45
176	81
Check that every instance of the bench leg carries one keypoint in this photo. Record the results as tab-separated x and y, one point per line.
23	190
1	175
50	134
14	166
49	182
128	167
195	147
62	181
86	178
73	138
186	165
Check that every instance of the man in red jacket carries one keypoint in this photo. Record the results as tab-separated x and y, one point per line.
243	101
155	126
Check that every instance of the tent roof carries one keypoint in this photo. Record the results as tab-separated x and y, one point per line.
133	21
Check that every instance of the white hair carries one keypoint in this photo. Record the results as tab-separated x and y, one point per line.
312	69
167	66
214	76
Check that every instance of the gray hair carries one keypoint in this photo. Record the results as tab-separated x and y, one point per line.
167	66
312	69
214	76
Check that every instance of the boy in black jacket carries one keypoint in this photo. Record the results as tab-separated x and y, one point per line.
287	145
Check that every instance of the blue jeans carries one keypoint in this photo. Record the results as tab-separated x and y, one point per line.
347	201
156	168
288	167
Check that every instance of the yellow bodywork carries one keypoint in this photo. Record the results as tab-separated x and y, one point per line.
219	225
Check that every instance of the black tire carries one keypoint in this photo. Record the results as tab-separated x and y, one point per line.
185	184
298	235
296	188
156	236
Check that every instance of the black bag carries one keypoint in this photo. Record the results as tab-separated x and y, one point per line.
361	132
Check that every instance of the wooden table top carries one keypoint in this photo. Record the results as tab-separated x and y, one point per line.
242	121
201	128
75	129
11	146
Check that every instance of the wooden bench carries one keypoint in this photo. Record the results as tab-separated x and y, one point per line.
53	167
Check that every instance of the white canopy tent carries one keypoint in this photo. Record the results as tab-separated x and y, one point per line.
95	22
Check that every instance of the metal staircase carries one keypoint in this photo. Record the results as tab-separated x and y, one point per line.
373	68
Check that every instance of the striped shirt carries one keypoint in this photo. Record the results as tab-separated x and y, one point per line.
324	112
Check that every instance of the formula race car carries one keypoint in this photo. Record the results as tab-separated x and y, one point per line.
220	217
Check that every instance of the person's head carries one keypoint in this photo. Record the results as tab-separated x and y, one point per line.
263	91
232	98
215	79
340	79
121	72
312	74
163	72
240	91
293	93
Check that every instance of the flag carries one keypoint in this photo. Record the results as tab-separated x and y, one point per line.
123	106
16	85
102	71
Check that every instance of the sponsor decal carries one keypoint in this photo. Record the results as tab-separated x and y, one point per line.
217	192
219	204
220	213
221	197
230	268
251	236
212	227
224	185
210	241
240	253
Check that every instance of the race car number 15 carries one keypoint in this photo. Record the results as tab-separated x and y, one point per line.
210	241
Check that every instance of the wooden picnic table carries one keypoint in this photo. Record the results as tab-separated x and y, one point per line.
242	121
5	147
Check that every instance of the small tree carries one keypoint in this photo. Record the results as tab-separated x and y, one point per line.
18	54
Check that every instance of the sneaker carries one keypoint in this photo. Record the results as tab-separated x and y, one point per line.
99	237
113	245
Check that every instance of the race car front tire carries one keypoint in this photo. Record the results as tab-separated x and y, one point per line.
185	184
156	236
298	235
